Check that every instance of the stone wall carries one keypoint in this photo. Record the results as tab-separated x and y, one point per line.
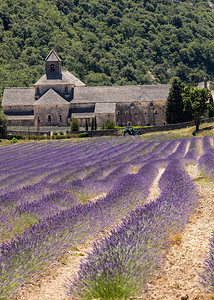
52	115
140	114
102	118
19	110
20	122
81	108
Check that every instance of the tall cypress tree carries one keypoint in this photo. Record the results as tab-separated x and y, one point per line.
174	105
95	123
92	124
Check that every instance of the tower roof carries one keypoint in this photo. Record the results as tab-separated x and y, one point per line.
52	56
67	78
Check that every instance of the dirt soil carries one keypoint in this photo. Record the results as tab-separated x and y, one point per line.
185	258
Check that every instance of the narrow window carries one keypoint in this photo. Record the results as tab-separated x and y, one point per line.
52	68
126	112
60	118
156	111
145	112
49	118
118	113
128	123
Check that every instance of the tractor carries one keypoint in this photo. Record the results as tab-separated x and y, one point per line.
129	130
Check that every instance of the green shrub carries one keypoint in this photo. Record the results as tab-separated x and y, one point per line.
108	124
3	124
14	140
75	125
17	136
83	134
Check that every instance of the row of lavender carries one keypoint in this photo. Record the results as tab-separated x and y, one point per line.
122	264
206	165
42	243
50	205
30	203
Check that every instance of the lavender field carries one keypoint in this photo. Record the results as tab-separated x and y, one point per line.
57	195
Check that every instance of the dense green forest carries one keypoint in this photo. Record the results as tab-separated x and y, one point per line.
108	42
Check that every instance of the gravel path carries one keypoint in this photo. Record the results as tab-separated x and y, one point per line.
180	279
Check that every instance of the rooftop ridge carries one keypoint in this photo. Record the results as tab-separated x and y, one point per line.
53	54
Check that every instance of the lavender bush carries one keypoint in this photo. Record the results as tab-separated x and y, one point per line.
45	203
207	276
121	265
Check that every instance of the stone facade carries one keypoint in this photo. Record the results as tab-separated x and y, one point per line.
58	96
141	114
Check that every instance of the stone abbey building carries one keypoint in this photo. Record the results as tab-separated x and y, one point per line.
58	96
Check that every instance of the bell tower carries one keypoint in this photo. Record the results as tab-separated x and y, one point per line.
53	66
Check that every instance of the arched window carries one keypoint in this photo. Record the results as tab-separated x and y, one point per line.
145	112
49	118
129	123
52	68
164	122
126	112
118	112
155	111
60	118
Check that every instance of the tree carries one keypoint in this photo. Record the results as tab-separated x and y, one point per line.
75	125
211	111
174	105
3	124
86	125
108	124
197	102
95	123
92	124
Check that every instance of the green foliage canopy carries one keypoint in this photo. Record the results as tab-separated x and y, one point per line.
197	102
74	125
174	106
3	124
108	124
107	42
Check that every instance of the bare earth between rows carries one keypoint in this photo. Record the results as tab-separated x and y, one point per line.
179	279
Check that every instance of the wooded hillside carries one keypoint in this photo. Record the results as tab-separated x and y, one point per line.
107	42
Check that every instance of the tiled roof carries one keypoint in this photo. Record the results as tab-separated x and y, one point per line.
82	115
52	56
105	108
130	93
51	98
18	96
67	78
20	117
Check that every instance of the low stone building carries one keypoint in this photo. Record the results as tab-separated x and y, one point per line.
59	96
